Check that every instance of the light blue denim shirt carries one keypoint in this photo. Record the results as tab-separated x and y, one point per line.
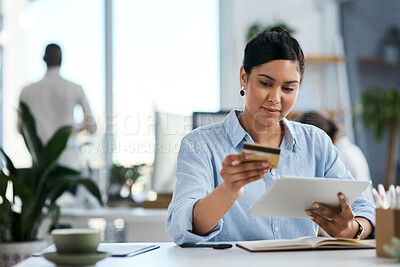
305	151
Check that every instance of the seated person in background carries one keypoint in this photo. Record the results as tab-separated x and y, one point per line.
350	154
216	188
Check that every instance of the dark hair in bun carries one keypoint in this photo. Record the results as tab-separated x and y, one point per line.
272	44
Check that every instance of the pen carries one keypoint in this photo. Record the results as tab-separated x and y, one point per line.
214	246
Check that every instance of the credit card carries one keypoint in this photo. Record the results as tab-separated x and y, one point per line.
262	153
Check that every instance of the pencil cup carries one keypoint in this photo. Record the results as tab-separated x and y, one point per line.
387	226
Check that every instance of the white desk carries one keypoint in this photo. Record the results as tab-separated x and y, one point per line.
171	255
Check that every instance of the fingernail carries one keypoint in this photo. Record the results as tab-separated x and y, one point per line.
235	162
246	156
341	196
316	205
308	213
264	164
266	170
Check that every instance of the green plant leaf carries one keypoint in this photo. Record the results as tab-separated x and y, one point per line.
27	126
63	170
60	184
3	184
5	206
256	28
22	187
120	174
53	210
6	220
9	165
38	185
27	176
56	145
50	154
379	107
92	188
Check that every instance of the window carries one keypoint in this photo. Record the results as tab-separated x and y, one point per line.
78	27
166	59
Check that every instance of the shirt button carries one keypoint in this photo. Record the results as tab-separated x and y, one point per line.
276	229
273	172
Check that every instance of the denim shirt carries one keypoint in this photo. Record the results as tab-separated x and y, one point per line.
305	151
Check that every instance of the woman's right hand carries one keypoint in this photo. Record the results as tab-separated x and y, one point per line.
237	172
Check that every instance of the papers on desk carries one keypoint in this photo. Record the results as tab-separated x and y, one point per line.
305	243
125	249
115	249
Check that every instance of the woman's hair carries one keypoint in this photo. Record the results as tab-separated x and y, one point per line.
272	44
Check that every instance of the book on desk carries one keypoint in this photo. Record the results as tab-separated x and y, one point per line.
306	243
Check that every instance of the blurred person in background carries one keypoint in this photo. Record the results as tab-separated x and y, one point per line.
349	153
52	101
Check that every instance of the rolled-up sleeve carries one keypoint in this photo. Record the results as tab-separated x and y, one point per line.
194	181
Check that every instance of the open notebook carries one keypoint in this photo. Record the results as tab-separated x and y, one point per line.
305	243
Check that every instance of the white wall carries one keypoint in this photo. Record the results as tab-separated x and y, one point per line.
316	23
14	77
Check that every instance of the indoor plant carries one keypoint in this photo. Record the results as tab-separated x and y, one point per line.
35	189
256	28
380	109
123	177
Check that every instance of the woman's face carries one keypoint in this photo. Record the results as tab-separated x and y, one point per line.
271	90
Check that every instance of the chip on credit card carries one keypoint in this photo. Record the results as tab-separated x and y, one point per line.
262	153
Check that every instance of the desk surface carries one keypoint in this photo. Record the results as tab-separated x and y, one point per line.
170	254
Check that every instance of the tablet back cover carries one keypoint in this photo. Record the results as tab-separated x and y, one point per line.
291	196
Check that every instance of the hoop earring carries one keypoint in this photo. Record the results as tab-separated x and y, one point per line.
242	91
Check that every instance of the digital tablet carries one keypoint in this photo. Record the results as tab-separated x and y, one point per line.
290	196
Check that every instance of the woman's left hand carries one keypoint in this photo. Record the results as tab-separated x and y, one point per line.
337	223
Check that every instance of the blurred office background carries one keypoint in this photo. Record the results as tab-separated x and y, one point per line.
147	66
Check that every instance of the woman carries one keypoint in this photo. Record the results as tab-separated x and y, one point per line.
215	189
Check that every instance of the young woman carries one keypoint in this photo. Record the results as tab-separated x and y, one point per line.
215	189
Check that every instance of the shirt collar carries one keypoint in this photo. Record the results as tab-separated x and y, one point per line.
234	130
290	138
237	134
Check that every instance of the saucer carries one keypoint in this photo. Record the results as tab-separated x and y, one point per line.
75	259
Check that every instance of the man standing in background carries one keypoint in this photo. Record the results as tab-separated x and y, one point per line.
52	101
